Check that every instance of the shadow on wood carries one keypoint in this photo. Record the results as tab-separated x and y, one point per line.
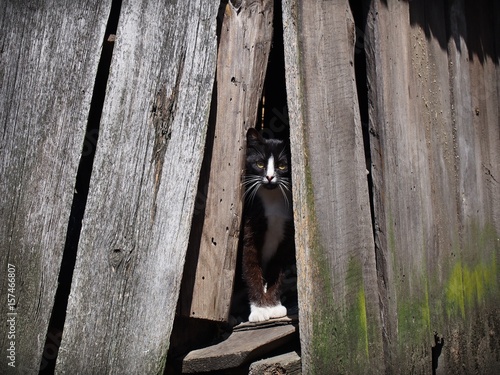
241	347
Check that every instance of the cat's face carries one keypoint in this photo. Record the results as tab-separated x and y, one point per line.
267	164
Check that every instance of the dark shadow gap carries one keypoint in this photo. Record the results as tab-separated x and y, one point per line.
359	11
82	183
275	105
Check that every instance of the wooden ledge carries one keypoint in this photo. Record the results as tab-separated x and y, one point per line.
244	345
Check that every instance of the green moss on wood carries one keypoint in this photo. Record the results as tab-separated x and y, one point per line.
470	285
340	341
324	338
363	321
474	279
357	329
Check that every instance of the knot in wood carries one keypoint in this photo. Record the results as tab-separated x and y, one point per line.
115	257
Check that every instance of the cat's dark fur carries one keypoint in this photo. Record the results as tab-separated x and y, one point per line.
268	228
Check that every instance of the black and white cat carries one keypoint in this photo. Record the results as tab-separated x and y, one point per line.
268	229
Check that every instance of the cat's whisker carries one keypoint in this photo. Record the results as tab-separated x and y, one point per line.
282	153
284	195
248	190
286	184
251	190
250	178
255	189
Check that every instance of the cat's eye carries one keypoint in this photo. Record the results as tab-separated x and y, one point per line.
260	165
282	166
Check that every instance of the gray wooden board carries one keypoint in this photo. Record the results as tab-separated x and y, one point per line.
267	323
49	57
242	60
137	220
288	363
237	349
435	141
340	327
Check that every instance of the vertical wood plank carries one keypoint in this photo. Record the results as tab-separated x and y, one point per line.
49	57
244	47
400	125
340	328
434	202
137	221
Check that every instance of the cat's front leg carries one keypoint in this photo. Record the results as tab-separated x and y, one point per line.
254	279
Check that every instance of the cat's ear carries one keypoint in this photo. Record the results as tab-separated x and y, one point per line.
253	136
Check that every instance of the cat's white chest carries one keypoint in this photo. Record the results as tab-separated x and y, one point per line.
277	213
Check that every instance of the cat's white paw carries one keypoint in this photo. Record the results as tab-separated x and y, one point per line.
277	311
261	314
258	314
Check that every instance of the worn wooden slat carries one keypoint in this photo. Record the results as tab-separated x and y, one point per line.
47	71
414	220
136	226
237	349
288	363
340	328
244	47
434	198
245	326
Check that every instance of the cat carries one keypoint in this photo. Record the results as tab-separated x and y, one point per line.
268	225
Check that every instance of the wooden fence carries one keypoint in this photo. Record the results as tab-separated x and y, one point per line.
116	116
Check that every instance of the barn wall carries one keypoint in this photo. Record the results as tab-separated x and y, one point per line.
384	260
432	145
435	145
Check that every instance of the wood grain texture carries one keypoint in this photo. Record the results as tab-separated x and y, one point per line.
47	71
237	349
434	135
340	328
244	47
288	363
136	225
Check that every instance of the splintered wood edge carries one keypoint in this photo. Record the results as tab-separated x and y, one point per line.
242	346
268	323
288	362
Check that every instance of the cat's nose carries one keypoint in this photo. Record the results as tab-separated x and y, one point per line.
270	178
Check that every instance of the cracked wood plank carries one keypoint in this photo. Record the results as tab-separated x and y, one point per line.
241	67
141	199
49	58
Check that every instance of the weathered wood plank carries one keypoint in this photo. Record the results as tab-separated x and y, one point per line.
288	363
244	47
136	226
49	57
245	326
340	328
408	162
434	202
237	349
